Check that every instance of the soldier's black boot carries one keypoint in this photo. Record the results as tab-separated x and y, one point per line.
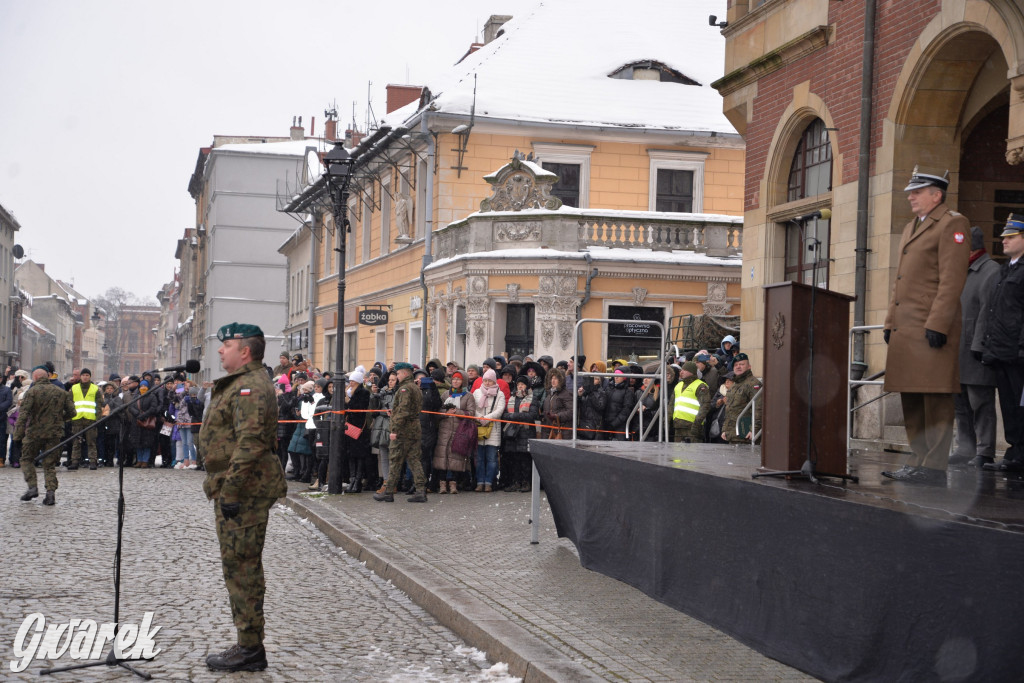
238	658
33	492
418	497
386	496
49	500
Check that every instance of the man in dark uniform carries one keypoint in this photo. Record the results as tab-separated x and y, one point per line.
244	479
923	325
405	438
40	427
740	394
1002	345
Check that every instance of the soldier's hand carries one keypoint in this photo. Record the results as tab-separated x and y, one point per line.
885	335
229	510
392	436
936	340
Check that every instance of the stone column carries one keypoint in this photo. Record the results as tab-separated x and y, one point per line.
555	305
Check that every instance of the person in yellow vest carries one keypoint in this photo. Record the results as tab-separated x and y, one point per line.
88	400
692	405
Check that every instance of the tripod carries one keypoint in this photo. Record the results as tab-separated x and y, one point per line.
809	467
111	659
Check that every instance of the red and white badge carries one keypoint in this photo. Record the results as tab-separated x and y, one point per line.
958	237
245	392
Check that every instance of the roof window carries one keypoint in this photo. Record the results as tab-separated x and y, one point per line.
651	70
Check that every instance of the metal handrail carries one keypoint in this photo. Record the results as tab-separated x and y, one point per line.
752	406
851	383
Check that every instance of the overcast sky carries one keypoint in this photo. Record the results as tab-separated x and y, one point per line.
106	103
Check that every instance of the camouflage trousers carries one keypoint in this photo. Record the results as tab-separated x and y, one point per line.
241	555
77	427
405	450
30	450
681	432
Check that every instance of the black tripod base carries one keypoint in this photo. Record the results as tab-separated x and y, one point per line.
110	660
807	471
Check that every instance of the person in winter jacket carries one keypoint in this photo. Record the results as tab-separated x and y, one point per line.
619	403
521	415
557	408
357	402
592	401
490	404
456	403
299	447
428	422
381	399
726	352
286	403
322	418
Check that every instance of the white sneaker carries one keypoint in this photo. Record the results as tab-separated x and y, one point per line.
180	466
192	467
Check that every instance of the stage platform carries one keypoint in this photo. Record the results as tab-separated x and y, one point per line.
875	580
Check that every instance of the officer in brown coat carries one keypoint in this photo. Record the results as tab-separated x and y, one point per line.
922	327
244	479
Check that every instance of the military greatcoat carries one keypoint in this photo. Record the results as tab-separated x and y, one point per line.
933	260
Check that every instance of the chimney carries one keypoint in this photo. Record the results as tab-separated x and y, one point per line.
492	29
331	130
297	131
401	95
353	138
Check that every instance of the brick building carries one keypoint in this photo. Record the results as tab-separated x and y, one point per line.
943	90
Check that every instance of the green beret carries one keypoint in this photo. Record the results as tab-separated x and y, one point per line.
742	356
403	366
238	331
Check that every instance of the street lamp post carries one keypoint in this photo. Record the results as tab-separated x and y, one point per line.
339	175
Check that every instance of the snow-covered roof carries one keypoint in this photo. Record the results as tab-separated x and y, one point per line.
649	256
552	65
36	324
288	147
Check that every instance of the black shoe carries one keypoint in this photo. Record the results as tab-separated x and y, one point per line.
959	459
387	497
72	467
30	494
420	497
238	658
526	487
981	460
917	475
1004	465
48	500
92	467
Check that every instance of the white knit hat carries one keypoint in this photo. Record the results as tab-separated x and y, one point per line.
357	375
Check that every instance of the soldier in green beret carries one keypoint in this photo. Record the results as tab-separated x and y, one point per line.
405	437
40	426
740	394
244	479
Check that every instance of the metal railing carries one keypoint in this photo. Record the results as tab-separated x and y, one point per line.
853	383
755	434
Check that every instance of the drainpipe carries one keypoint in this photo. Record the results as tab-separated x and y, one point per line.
591	274
428	212
317	222
863	191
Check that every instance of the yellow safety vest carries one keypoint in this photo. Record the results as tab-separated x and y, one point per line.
687	406
85	406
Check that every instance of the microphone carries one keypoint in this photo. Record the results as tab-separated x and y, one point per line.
823	214
189	366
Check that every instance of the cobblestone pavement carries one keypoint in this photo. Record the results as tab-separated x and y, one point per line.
475	548
329	618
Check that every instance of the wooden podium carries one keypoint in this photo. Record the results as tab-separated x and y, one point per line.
787	367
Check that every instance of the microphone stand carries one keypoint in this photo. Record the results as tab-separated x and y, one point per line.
111	659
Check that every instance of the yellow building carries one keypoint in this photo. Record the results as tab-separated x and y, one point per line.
636	146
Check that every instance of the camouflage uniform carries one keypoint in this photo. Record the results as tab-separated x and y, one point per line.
239	441
40	426
405	425
740	394
85	424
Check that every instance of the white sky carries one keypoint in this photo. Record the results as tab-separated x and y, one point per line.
106	103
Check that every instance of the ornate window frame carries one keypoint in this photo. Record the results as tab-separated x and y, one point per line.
680	161
559	153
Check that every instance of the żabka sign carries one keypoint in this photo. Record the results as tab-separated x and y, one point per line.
373	317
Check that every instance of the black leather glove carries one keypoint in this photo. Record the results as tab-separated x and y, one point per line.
885	335
936	340
229	510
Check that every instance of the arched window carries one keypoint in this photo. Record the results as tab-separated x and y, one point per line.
810	175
